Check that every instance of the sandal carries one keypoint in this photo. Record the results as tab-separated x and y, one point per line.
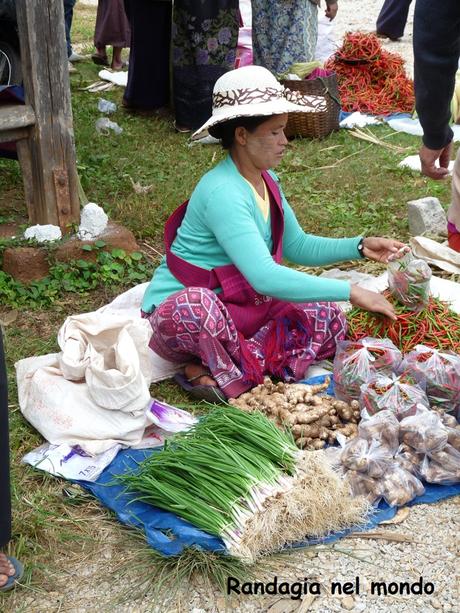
143	112
181	129
210	393
100	60
19	571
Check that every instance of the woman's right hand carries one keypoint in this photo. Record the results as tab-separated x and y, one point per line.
371	301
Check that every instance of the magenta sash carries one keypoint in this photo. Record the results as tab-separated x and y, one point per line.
248	309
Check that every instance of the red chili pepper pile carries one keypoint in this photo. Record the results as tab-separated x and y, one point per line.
435	326
371	80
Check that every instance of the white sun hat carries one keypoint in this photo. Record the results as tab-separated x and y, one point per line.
252	91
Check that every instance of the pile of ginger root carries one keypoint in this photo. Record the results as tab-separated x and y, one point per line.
313	417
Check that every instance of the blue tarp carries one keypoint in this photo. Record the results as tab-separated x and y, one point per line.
164	531
170	535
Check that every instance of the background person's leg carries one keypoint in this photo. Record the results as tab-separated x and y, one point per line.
148	71
453	214
5	500
392	18
68	16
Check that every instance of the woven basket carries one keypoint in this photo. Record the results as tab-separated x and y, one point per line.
315	125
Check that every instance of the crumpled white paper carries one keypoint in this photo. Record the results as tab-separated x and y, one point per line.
70	462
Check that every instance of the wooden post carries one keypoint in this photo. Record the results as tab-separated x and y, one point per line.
50	148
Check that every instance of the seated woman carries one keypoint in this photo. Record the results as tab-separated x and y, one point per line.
221	299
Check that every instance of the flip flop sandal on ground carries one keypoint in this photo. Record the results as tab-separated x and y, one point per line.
210	393
19	571
100	60
181	129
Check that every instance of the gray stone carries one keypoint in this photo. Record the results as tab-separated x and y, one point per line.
348	603
435	603
426	216
285	605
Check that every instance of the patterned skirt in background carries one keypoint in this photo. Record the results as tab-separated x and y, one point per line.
148	72
283	32
204	37
112	26
5	497
194	324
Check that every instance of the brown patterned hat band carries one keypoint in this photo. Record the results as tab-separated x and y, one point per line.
252	95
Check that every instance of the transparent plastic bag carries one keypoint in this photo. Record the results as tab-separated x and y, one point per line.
448	420
453	437
398	394
409	459
105	106
104	125
366	457
382	427
399	486
441	371
442	466
363	485
423	431
356	362
409	281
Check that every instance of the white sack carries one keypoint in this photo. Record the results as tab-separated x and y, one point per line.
92	342
129	304
65	412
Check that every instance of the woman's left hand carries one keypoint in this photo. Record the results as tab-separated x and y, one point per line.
383	249
331	10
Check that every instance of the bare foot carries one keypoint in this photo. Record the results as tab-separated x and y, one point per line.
201	374
6	569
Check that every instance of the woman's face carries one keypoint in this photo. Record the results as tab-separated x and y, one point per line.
266	145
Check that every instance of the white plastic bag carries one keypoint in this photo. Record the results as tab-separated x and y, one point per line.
103	125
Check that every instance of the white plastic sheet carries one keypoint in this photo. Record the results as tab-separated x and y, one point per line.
413	162
414	127
118	78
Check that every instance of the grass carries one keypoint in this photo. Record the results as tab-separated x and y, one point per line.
339	186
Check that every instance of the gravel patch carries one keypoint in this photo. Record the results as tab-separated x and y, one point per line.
106	579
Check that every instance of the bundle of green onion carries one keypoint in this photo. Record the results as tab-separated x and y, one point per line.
301	69
235	475
218	473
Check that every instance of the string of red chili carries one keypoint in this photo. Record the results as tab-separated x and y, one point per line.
377	82
435	326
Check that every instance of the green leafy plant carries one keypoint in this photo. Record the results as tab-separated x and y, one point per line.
115	267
